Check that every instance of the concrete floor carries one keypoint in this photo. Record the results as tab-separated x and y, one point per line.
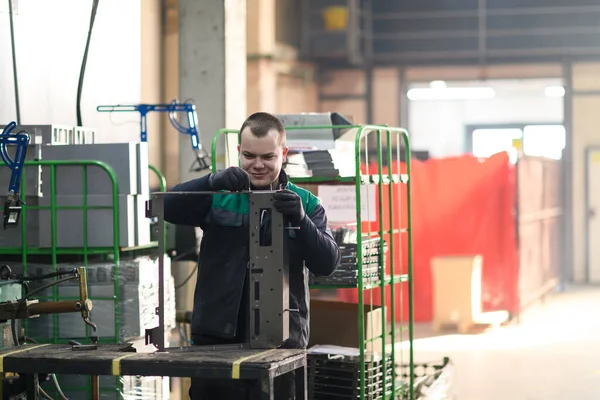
552	354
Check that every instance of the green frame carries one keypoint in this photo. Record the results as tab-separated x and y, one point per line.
380	179
112	252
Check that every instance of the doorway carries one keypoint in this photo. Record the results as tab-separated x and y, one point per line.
592	209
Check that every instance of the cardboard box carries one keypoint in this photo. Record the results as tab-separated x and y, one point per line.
336	323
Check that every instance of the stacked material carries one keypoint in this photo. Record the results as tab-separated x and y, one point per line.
334	373
73	226
347	273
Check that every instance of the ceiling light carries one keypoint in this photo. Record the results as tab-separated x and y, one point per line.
554	91
438	85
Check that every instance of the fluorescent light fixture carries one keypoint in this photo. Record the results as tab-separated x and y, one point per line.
554	91
438	85
452	93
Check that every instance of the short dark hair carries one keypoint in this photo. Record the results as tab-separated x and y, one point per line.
260	123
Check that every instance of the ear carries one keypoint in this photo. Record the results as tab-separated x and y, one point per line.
238	147
285	152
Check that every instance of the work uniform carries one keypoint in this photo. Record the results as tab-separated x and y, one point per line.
220	314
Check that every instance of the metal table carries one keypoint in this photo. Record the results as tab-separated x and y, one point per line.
247	364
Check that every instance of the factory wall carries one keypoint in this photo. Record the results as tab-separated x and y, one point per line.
50	40
351	84
586	133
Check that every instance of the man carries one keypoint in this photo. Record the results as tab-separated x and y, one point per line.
220	313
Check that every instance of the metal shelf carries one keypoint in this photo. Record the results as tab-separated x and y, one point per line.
367	285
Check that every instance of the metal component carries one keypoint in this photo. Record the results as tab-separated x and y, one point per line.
323	138
83	296
95	392
24	309
56	307
84	347
269	322
156	336
202	158
12	207
269	274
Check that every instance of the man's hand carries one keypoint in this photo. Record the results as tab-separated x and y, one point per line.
289	204
233	179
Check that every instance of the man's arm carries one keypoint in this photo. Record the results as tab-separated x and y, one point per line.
321	252
191	210
187	209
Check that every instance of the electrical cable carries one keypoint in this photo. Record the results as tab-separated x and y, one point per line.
187	279
56	274
44	394
14	61
183	335
54	378
24	299
58	388
84	61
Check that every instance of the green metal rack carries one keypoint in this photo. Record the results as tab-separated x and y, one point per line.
398	276
113	253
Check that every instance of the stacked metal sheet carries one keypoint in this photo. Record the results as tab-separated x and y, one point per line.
347	273
334	373
129	161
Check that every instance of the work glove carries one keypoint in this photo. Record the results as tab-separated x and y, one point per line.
290	205
233	179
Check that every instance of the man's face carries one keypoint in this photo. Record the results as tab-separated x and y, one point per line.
262	157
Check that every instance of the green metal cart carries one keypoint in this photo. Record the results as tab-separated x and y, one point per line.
387	175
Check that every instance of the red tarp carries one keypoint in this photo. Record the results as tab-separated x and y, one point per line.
460	206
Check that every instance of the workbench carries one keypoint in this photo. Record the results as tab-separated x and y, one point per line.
229	363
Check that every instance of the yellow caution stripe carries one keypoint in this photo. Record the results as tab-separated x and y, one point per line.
235	367
116	363
16	352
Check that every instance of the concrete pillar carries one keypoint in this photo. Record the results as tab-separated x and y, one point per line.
212	70
261	46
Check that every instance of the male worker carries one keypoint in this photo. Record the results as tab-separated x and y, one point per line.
220	313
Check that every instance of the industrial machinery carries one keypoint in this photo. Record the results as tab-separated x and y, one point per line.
12	206
202	158
27	307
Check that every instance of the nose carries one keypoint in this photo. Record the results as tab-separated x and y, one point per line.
258	164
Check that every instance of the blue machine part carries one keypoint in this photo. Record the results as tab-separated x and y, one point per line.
202	157
20	140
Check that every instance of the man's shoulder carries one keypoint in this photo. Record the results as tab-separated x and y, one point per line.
309	200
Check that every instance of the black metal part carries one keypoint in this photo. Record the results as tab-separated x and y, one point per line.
153	336
12	212
156	336
84	347
269	274
32	384
269	270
